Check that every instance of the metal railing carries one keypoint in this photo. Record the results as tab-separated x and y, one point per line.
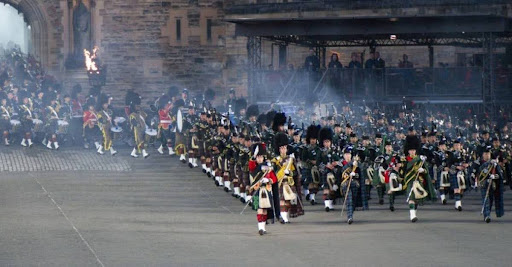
374	84
255	6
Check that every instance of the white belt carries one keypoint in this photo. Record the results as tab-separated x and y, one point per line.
165	121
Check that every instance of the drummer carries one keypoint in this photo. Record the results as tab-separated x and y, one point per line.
5	112
105	123
26	118
52	118
77	114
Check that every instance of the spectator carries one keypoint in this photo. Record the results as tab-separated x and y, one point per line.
355	76
379	62
405	63
370	63
355	62
312	66
335	62
312	62
335	72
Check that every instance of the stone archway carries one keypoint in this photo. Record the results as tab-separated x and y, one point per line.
44	18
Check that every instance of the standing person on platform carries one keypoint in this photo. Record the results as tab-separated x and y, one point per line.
312	63
335	67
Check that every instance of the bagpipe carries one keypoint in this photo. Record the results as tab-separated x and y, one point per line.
285	179
346	174
414	176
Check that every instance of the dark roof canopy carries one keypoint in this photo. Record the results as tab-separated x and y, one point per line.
365	28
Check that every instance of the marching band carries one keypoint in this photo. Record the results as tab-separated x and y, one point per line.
277	164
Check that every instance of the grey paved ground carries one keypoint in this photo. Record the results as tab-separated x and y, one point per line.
157	212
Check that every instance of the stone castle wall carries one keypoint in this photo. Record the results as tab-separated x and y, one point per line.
139	42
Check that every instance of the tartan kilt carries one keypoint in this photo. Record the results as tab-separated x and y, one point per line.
453	181
5	125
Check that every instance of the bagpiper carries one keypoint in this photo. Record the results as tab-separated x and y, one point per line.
327	162
287	179
490	181
417	180
180	140
310	175
457	167
261	187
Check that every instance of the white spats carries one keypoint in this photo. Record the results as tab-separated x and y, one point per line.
458	205
112	151
171	151
236	191
56	145
328	205
182	157
194	163
261	228
443	199
161	150
24	142
134	153
227	186
29	142
284	216
100	150
412	214
144	153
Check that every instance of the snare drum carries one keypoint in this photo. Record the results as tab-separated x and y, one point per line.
119	120
116	129
63	127
38	125
15	125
